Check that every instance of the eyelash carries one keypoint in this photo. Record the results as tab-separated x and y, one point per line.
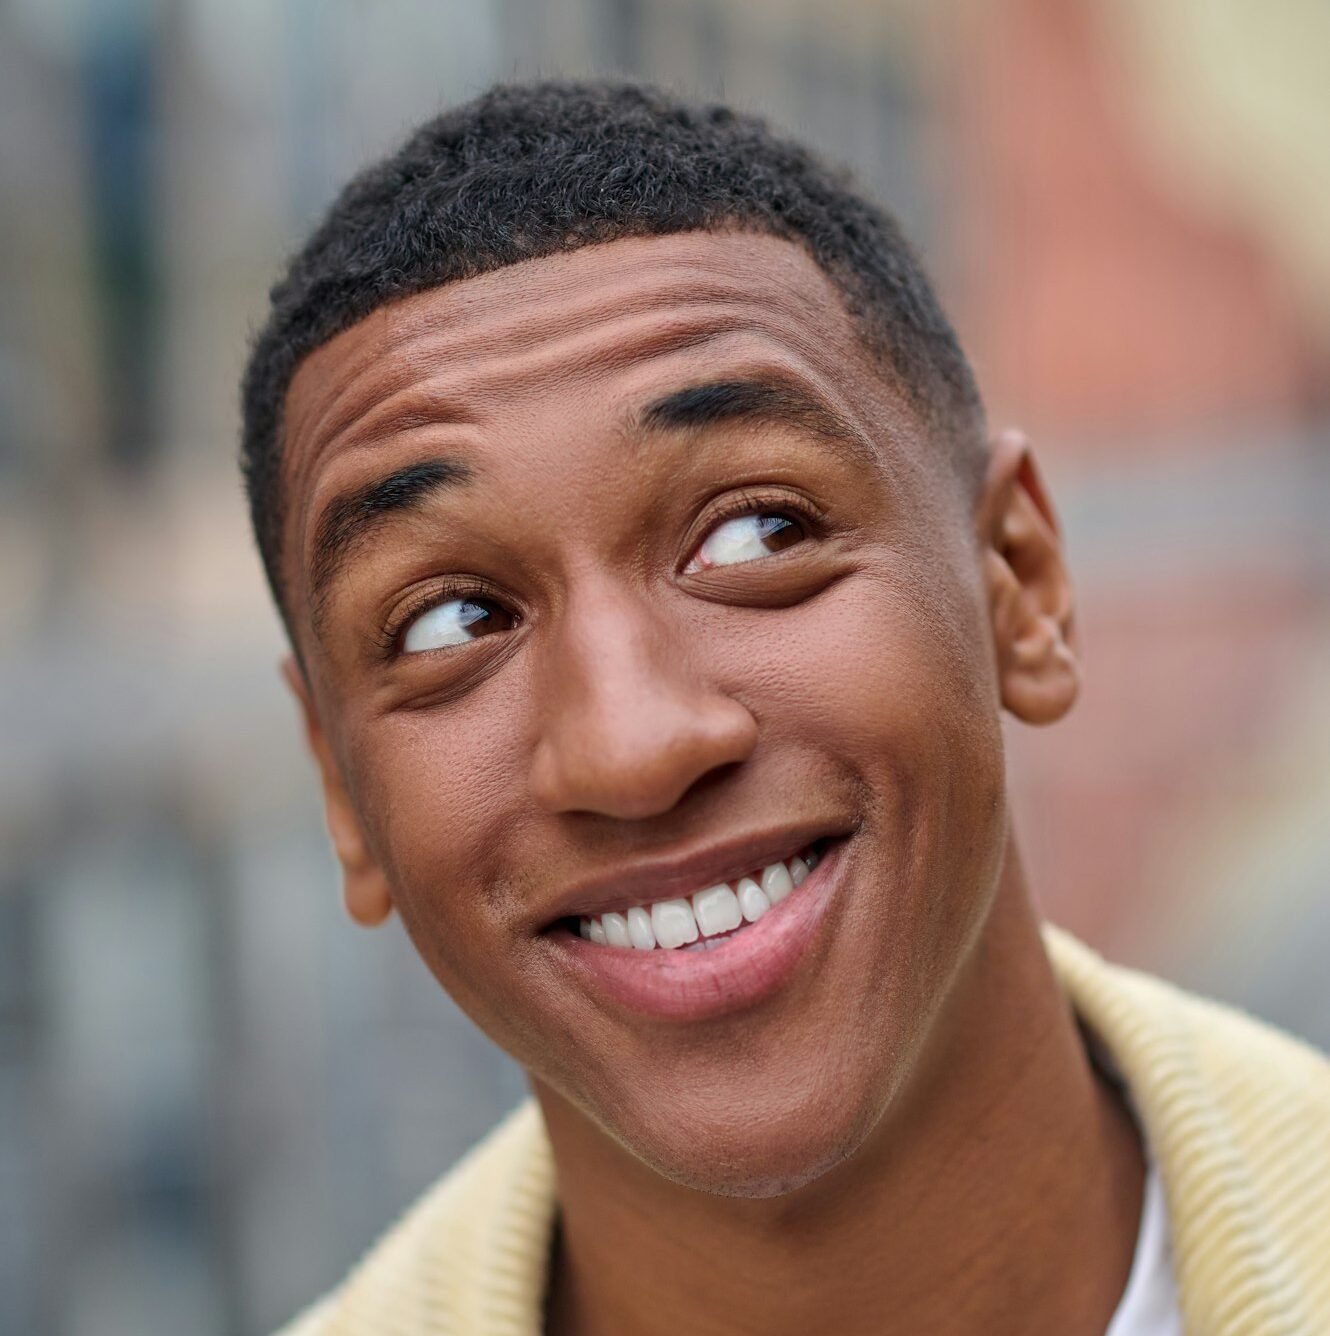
389	640
749	502
737	504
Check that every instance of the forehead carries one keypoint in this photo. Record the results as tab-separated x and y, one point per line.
514	351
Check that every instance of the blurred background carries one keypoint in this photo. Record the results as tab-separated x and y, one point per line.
214	1091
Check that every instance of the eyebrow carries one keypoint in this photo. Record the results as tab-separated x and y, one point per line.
753	399
352	516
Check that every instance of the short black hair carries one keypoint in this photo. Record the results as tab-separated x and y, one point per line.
528	170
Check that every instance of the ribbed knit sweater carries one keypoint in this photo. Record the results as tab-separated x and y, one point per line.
1237	1116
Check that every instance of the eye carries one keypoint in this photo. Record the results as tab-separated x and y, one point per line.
455	622
746	538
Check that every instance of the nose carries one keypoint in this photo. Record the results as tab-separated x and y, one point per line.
628	723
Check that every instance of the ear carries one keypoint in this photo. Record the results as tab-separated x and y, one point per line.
1029	591
364	887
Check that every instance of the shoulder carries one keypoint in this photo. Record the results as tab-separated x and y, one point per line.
476	1242
1164	1034
1237	1117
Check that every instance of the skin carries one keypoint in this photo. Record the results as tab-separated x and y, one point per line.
908	1135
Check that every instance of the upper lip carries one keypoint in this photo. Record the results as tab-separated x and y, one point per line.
664	877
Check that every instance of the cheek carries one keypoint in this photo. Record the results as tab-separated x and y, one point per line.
891	680
884	669
438	792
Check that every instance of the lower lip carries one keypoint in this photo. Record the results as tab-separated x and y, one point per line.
745	969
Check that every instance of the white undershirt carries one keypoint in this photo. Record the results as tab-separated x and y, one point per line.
1149	1304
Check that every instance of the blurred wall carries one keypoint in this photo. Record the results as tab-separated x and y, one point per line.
213	1091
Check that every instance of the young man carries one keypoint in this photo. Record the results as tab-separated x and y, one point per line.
654	594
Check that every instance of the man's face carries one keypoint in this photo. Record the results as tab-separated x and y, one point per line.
617	575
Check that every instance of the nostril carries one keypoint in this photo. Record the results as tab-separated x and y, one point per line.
633	749
627	792
710	780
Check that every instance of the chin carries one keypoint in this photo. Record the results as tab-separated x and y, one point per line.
761	1174
754	1146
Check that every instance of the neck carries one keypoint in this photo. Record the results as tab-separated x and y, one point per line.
1000	1194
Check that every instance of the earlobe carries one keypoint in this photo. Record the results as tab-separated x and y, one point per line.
1030	597
365	892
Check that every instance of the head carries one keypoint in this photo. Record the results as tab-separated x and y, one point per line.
628	502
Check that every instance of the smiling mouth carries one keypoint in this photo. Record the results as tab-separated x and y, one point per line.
706	919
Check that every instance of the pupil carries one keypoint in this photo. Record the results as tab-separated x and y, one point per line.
481	618
779	529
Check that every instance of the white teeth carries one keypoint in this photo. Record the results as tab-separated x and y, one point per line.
753	901
639	929
673	923
716	910
616	929
776	882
